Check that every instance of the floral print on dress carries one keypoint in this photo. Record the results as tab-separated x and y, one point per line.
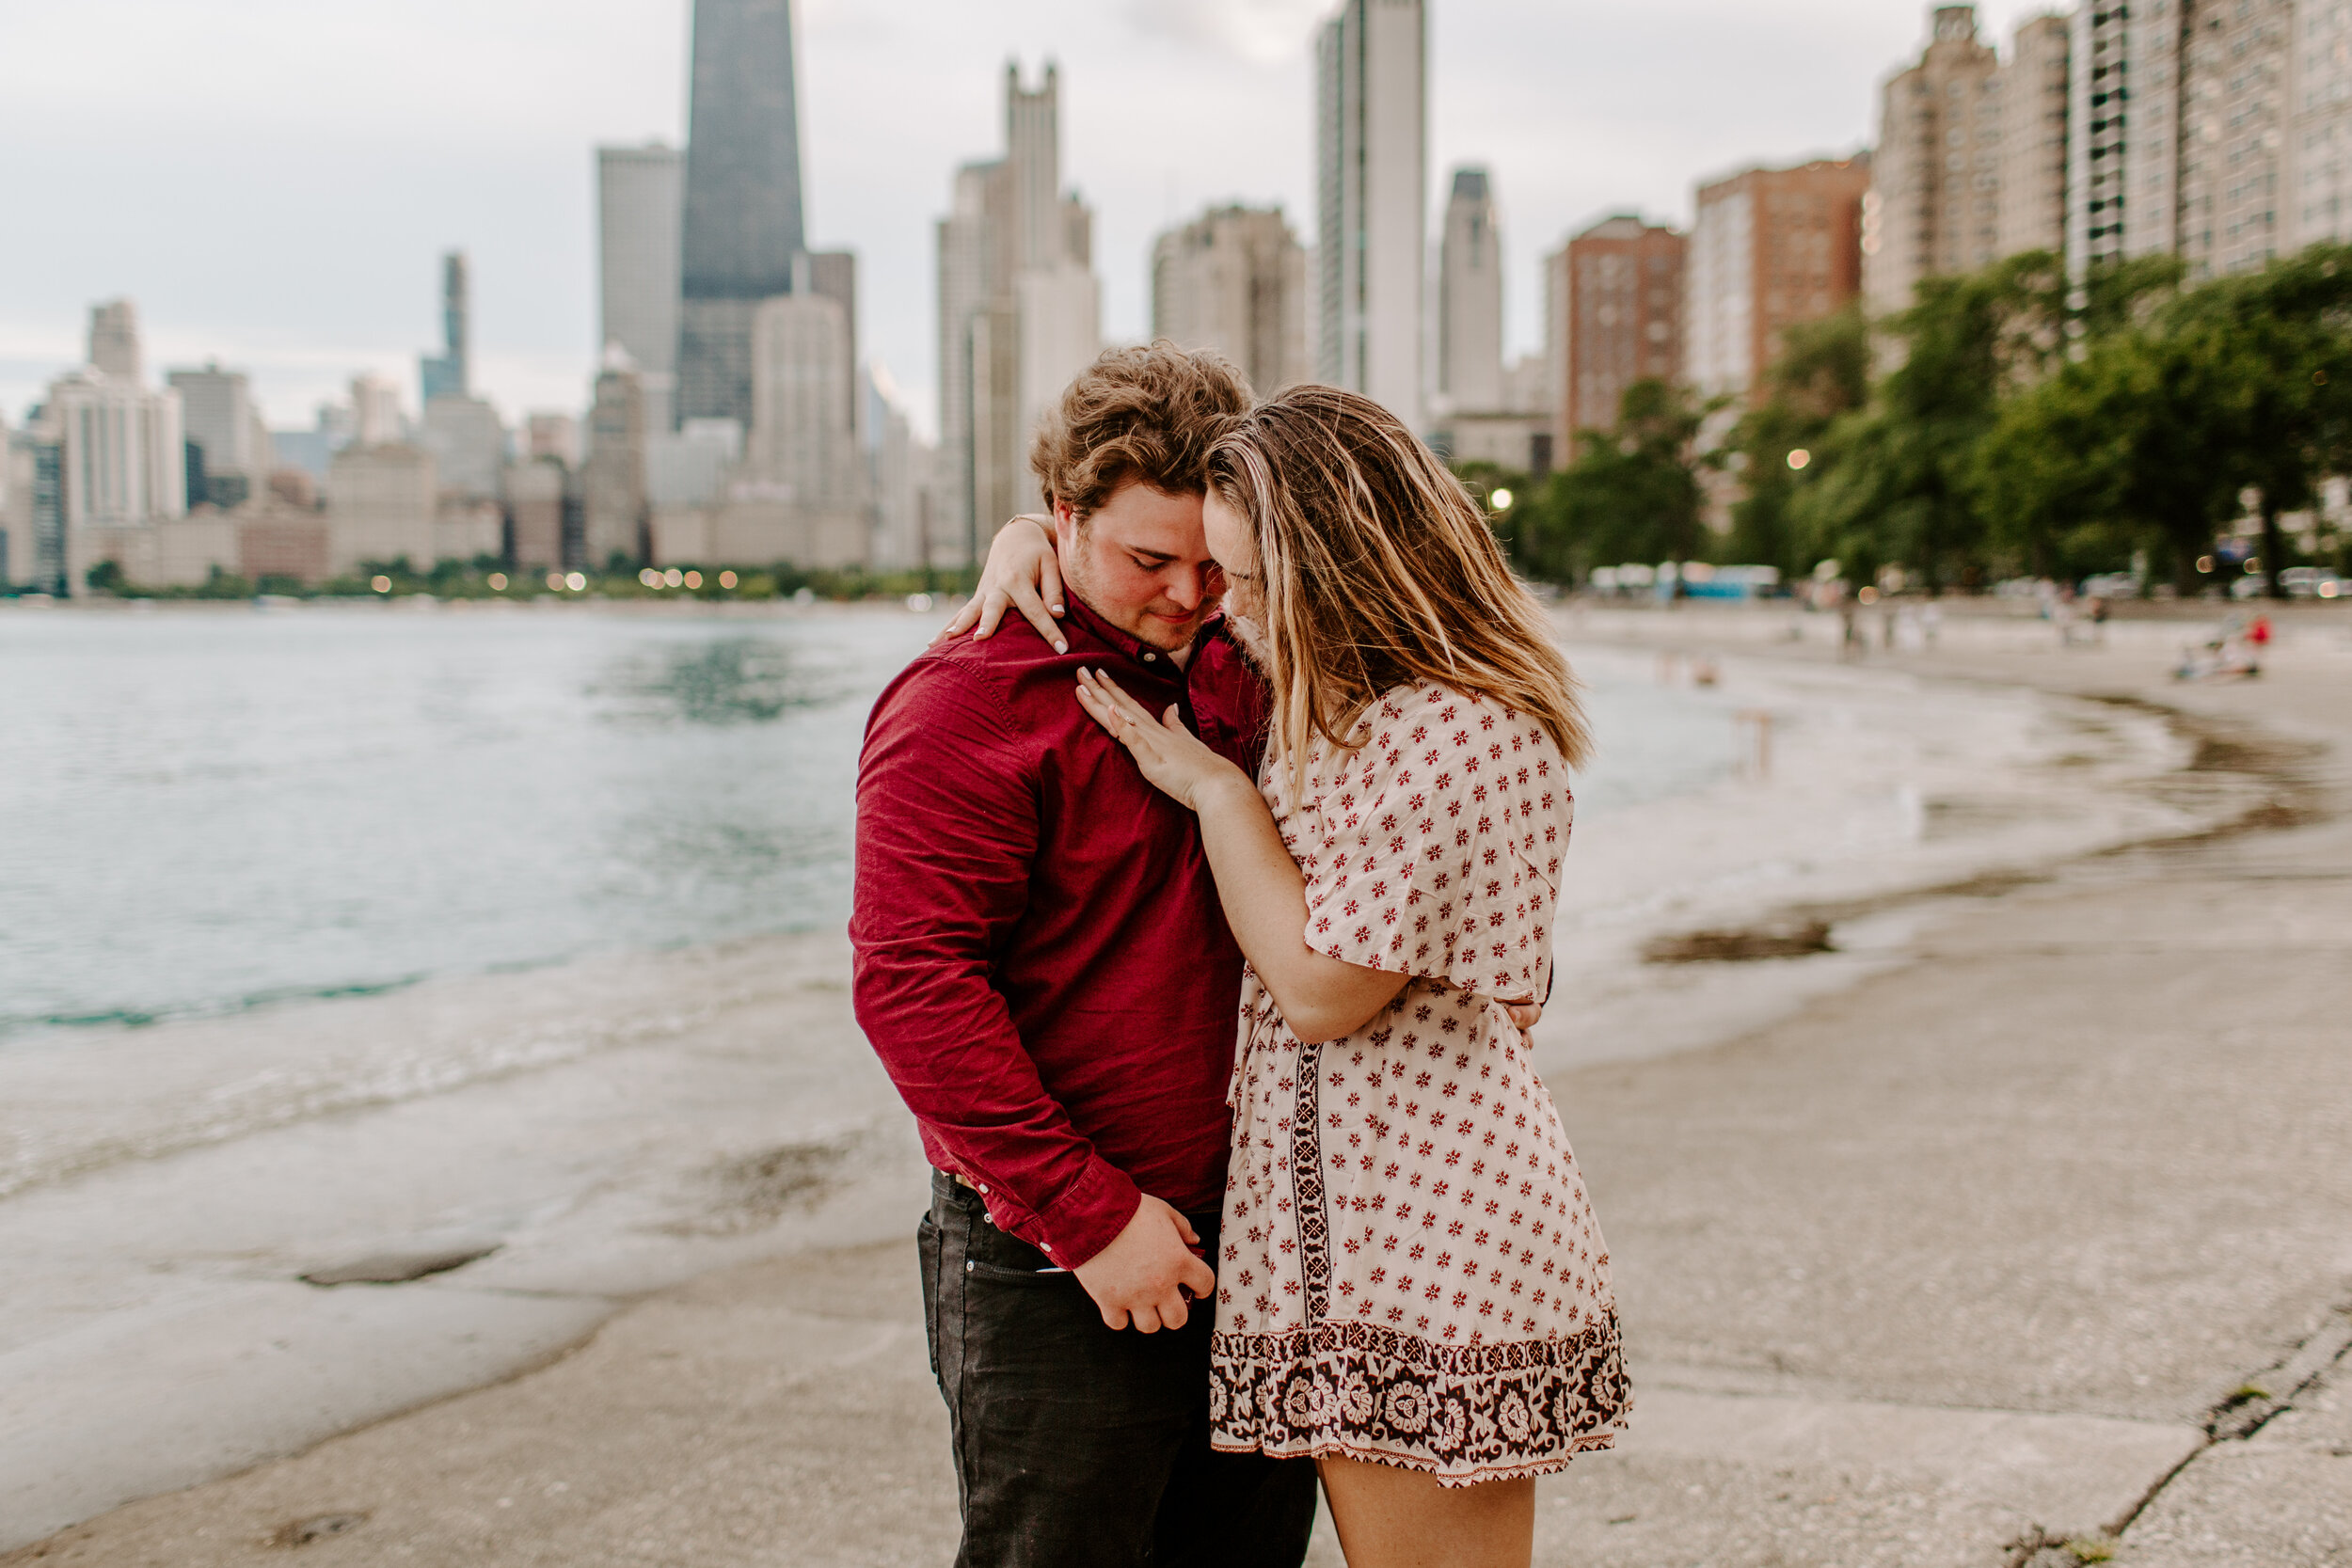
1410	1271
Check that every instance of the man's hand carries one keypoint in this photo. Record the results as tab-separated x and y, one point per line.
1136	1279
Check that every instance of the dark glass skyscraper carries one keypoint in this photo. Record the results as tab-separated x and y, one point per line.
447	374
742	226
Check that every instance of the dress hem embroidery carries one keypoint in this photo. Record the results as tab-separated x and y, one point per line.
1464	1413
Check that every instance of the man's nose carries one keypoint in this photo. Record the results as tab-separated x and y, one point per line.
1187	588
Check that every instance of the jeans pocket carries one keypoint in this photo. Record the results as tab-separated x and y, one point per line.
996	1274
927	1253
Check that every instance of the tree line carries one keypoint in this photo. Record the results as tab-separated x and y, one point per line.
2010	423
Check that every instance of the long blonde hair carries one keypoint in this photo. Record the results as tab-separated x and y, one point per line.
1378	571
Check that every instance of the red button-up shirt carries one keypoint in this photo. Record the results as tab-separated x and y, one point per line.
1041	962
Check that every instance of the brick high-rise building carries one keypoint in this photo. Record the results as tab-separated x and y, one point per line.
1770	248
2031	211
1617	299
1934	203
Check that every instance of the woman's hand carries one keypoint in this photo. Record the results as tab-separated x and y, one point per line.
1023	572
1171	756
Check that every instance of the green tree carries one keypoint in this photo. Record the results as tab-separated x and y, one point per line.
1823	371
2283	337
1894	476
1632	494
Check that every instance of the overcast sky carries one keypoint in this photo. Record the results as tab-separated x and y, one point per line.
271	180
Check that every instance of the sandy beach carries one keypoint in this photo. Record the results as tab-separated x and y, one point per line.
1941	1245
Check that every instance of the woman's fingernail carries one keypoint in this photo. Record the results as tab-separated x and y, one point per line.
1061	647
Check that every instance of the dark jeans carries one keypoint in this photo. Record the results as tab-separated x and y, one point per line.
1079	1445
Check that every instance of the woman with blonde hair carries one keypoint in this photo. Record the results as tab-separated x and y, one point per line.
1411	1287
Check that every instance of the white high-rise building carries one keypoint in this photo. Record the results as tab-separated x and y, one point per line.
2236	117
801	437
1020	309
2125	130
2034	94
381	504
2317	202
1933	208
1371	185
376	417
1234	279
468	446
217	415
1469	297
113	340
900	482
640	195
121	447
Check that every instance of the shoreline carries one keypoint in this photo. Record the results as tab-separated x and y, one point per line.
574	1256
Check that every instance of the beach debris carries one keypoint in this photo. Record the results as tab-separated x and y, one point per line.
301	1532
753	1191
399	1267
1789	939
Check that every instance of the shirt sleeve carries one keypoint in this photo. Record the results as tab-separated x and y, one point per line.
1440	843
948	828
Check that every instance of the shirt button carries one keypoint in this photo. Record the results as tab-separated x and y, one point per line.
983	1189
1149	658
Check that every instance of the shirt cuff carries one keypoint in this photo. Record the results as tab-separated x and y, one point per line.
1089	1215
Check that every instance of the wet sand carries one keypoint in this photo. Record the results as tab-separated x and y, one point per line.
1944	1241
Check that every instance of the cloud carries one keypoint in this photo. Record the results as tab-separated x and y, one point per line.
1256	32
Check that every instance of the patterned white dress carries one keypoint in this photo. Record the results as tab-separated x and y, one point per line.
1410	1270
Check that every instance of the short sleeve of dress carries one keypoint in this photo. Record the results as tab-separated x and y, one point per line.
1439	844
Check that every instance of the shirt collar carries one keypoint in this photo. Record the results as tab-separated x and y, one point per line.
1083	617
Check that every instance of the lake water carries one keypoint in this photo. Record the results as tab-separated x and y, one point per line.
201	812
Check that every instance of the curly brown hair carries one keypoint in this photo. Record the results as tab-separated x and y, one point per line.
1149	414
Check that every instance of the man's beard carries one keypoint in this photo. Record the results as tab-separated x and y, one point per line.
1074	578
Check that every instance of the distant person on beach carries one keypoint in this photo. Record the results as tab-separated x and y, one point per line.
1043	965
1411	1285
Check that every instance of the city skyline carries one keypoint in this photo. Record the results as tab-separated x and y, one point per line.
1537	93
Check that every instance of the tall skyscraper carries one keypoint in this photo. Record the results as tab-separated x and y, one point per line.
375	420
381	503
612	477
1934	203
447	374
803	410
2237	114
742	221
1469	297
1770	248
641	195
1372	183
2034	95
468	446
1618	294
114	340
1020	308
2125	130
1234	279
217	416
2316	200
122	452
